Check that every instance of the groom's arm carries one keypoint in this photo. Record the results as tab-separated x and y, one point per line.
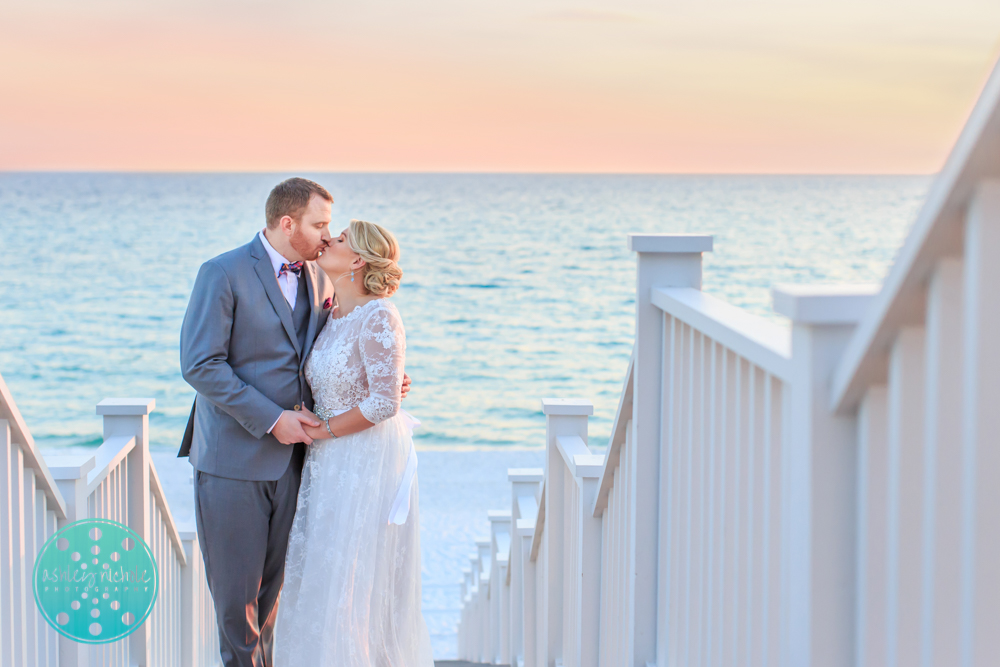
205	333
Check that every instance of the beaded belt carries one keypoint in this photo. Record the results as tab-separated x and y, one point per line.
325	413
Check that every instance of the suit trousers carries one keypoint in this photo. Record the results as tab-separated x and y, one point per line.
243	529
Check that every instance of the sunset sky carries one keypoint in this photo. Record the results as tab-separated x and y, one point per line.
720	86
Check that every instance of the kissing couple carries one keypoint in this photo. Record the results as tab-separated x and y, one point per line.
305	471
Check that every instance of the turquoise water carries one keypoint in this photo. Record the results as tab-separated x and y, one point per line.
516	286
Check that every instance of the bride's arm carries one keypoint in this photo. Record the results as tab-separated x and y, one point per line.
382	344
351	421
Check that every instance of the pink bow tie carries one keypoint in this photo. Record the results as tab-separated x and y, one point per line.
294	267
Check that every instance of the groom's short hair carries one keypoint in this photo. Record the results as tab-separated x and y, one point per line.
290	197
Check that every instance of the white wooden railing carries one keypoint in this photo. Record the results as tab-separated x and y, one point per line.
825	494
119	482
31	508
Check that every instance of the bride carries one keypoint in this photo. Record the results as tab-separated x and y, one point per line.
351	595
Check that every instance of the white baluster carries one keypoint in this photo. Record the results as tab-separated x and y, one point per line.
942	508
872	520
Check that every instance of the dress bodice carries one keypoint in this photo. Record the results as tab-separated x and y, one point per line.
357	360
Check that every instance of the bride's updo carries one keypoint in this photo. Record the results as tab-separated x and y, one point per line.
378	247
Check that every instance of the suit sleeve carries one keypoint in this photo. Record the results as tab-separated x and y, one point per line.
205	333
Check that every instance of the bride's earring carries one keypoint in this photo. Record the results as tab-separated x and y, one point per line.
352	276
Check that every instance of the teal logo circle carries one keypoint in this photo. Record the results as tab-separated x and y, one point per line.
95	581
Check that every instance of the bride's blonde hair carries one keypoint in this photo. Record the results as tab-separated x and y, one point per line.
380	250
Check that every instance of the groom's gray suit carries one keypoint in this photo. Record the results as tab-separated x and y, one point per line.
243	348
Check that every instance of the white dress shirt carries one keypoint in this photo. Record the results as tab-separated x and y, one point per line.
288	282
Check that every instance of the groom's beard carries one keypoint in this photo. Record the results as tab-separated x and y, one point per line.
304	247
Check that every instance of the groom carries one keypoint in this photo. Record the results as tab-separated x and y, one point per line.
251	321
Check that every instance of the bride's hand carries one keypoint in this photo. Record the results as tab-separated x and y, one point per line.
317	432
314	432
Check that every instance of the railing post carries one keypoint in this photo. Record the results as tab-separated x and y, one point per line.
10	626
499	611
819	485
981	419
475	621
525	492
588	472
16	581
70	475
462	625
663	260
563	417
483	600
130	417
191	621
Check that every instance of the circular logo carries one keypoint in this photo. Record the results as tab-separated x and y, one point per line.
95	581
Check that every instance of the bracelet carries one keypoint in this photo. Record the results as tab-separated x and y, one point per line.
326	416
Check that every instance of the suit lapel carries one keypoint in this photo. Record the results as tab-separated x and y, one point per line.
270	282
309	273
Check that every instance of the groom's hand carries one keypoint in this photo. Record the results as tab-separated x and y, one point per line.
290	428
405	389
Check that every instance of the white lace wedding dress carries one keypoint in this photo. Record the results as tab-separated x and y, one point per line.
351	596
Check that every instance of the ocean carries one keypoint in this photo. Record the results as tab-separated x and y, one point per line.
515	287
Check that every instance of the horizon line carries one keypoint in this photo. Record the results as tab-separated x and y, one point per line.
209	172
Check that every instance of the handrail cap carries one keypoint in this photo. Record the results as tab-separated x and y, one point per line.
126	406
567	406
69	466
525	474
823	304
670	243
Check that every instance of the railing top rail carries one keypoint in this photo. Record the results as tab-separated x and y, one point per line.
501	536
69	466
613	453
536	538
578	458
527	510
111	452
761	342
32	457
161	500
936	233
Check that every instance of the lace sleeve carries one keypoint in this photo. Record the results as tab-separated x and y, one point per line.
383	351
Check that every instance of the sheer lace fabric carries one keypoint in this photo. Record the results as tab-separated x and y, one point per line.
351	595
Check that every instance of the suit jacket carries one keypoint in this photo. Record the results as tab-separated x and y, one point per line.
240	353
